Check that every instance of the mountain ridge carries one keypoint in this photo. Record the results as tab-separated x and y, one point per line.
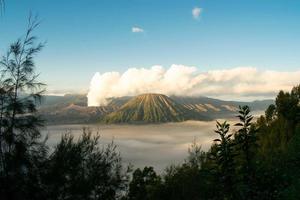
70	109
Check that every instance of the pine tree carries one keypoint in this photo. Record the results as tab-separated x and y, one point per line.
21	148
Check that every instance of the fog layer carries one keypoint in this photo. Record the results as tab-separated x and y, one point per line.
151	145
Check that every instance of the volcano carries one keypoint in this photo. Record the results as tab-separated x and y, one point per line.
149	108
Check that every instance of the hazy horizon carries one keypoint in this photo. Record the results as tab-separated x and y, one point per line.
244	99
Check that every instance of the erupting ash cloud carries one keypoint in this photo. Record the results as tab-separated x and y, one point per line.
185	80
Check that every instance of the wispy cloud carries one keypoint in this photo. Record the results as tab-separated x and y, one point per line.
196	12
136	29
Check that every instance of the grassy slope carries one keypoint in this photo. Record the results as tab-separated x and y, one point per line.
148	108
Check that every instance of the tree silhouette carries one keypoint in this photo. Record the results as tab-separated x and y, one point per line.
246	142
143	184
224	157
21	148
84	169
270	113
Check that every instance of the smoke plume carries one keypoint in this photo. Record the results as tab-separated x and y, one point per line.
189	81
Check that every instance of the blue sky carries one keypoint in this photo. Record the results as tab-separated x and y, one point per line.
88	36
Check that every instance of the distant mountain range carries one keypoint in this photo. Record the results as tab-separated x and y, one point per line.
145	108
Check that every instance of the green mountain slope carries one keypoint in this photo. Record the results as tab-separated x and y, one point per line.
216	108
148	108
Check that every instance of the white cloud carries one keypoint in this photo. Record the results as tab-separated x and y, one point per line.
196	12
136	29
235	83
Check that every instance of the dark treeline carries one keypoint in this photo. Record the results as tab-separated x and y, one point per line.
253	160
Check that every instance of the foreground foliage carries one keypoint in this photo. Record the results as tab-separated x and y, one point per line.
29	169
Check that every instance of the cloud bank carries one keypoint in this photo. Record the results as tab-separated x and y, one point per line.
235	83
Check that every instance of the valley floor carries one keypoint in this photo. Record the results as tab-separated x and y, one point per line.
157	145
